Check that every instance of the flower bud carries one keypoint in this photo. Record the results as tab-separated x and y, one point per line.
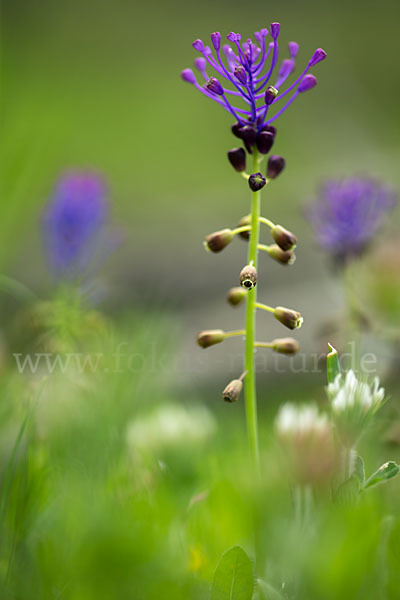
218	240
236	129
307	83
232	391
293	49
256	182
216	40
276	164
200	63
210	337
242	223
248	277
214	86
285	345
284	238
270	94
274	30
265	141
236	295
285	257
198	45
288	317
188	75
234	37
237	158
269	128
318	55
249	137
240	74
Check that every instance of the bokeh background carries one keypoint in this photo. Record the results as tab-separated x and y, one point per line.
96	85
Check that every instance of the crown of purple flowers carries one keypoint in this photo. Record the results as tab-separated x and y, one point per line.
348	213
74	220
247	73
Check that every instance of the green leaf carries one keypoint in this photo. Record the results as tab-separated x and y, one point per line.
233	577
359	470
332	364
386	471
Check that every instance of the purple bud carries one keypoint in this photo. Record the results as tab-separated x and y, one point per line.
214	86
274	29
234	37
207	51
307	83
287	67
237	158
256	182
198	45
240	74
200	64
269	128
261	35
276	164
318	55
188	75
236	129
248	135
216	40
265	141
270	94
293	49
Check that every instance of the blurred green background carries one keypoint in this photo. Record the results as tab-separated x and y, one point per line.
96	85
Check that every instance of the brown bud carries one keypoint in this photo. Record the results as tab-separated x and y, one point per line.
284	238
256	182
242	223
288	317
232	391
237	158
284	257
210	337
236	295
248	277
275	166
285	345
218	240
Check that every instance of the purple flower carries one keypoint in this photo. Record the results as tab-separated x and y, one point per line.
244	70
75	223
348	213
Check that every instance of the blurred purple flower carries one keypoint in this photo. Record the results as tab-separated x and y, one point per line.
241	70
75	224
348	213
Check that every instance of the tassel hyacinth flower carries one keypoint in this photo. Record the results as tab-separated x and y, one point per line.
348	213
75	224
244	78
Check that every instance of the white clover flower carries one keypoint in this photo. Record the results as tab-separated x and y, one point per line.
170	425
307	440
354	404
353	393
294	419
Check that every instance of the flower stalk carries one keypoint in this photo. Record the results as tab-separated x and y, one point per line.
250	379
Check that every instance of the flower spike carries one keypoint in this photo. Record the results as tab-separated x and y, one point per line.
241	66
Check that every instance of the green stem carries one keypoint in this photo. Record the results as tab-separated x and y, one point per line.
264	307
233	333
266	222
250	380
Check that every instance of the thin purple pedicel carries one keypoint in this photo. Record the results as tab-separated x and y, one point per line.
239	75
